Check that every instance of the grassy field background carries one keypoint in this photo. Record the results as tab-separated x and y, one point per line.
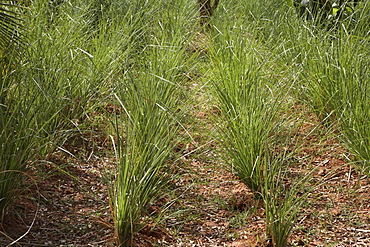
138	123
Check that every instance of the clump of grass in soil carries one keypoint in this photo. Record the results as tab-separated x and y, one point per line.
147	133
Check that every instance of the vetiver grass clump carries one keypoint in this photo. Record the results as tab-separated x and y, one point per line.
246	101
333	67
60	76
150	98
19	131
19	136
71	62
355	73
251	90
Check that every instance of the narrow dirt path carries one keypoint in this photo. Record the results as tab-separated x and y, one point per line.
213	207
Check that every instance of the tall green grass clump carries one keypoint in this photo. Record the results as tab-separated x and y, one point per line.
143	149
21	136
150	98
66	67
257	143
331	62
252	84
355	61
72	62
350	100
335	82
284	194
18	137
246	101
18	133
